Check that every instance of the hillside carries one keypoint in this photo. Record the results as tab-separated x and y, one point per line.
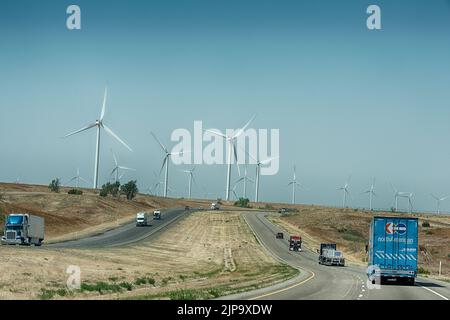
349	228
66	214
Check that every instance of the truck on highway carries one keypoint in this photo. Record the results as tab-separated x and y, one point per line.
141	219
215	206
23	228
393	249
330	256
295	243
157	215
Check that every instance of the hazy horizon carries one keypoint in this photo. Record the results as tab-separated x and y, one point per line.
347	101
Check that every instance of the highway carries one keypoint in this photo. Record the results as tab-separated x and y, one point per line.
124	235
325	282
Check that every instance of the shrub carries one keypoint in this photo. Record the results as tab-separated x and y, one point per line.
422	270
54	185
426	224
110	188
130	189
242	202
75	191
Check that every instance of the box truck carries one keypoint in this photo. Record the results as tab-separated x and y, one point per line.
393	249
23	228
141	219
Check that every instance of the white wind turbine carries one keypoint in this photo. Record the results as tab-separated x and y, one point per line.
399	194
371	193
166	162
294	184
410	196
438	202
191	179
258	170
118	167
231	150
244	180
345	192
77	178
99	124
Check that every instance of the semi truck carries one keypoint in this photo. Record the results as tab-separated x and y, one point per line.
295	243
23	228
393	249
157	215
330	256
141	219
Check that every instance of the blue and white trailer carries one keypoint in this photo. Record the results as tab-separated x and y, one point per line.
393	249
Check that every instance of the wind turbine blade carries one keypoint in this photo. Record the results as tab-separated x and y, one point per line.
159	142
110	132
104	104
81	130
442	199
81	178
163	164
126	168
114	156
269	160
178	153
236	159
217	133
241	130
113	170
434	196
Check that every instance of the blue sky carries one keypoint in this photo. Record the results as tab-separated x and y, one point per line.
346	100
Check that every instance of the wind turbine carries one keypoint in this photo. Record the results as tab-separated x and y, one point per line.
166	162
410	196
371	193
231	150
258	170
399	194
77	178
438	202
117	167
345	192
244	179
99	125
294	184
191	178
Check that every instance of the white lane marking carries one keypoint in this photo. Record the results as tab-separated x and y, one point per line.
360	296
432	291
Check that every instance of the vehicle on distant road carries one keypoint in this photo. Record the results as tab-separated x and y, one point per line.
215	206
157	215
141	219
187	208
283	210
23	228
330	256
280	235
393	249
295	243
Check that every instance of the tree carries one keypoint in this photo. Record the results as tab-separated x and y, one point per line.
130	189
242	202
110	188
54	185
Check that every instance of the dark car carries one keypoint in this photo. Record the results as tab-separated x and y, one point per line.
280	235
187	208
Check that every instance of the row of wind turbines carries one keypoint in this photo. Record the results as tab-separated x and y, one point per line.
231	141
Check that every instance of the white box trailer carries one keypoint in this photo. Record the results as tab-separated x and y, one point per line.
23	228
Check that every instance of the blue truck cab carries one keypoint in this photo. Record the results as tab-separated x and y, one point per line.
393	249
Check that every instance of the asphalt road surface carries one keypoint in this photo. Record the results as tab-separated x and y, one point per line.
126	234
324	282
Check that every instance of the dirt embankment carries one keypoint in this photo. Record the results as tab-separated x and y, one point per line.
66	215
205	255
349	228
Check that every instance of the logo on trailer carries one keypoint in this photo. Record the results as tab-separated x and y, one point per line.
392	228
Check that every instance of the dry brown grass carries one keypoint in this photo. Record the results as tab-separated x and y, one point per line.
349	228
203	251
67	215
